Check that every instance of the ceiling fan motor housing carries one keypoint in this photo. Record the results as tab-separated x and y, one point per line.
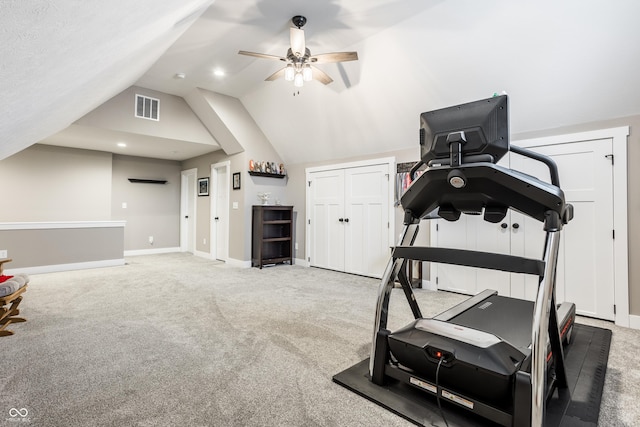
299	21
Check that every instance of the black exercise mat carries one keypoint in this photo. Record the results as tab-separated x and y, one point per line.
586	364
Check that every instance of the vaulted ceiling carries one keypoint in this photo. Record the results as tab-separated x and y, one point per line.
562	63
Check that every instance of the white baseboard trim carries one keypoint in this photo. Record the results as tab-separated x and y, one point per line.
634	321
201	254
300	262
428	284
66	267
232	262
151	251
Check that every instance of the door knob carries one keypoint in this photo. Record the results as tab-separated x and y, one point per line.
341	219
504	225
186	216
216	218
516	226
346	220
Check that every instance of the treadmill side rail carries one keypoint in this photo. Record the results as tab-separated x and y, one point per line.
465	305
540	329
407	237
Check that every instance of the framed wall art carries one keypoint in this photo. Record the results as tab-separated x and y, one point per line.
203	186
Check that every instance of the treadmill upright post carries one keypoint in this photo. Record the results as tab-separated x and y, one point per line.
540	331
407	237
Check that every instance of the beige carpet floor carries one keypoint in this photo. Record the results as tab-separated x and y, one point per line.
174	339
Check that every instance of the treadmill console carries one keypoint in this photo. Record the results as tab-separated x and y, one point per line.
481	127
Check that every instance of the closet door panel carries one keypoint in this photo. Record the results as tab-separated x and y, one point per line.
326	229
367	220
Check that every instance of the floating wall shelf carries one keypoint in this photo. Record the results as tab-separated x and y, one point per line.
269	175
148	181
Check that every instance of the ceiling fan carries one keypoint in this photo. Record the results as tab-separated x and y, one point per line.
299	61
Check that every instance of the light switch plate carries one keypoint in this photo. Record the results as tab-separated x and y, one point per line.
235	205
4	253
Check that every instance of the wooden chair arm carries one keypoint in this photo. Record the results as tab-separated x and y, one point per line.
2	261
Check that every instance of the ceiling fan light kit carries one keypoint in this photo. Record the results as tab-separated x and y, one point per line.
289	73
299	59
307	74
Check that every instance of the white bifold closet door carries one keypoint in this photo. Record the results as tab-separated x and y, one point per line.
349	219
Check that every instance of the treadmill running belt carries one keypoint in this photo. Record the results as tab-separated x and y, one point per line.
507	318
586	362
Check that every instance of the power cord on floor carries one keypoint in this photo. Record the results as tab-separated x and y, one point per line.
439	392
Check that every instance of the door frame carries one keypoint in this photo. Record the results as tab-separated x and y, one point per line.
186	177
213	238
618	136
390	161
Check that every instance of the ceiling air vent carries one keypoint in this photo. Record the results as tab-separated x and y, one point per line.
147	108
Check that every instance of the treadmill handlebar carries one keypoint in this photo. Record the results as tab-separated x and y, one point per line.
414	169
548	161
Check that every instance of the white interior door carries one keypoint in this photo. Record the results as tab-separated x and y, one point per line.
586	262
188	210
366	221
459	234
326	231
220	211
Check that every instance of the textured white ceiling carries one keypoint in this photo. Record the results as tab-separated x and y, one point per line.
562	63
61	59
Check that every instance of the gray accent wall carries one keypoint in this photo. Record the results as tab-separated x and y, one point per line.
63	247
47	184
152	210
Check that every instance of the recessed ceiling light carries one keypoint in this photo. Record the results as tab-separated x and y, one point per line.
180	76
218	72
122	144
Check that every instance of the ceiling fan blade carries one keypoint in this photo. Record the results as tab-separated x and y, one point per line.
276	75
321	76
297	41
262	55
324	58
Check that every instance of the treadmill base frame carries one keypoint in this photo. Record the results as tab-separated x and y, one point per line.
579	405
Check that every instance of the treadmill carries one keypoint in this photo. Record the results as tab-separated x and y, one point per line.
497	357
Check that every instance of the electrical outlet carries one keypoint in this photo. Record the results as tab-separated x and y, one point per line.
4	253
151	240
